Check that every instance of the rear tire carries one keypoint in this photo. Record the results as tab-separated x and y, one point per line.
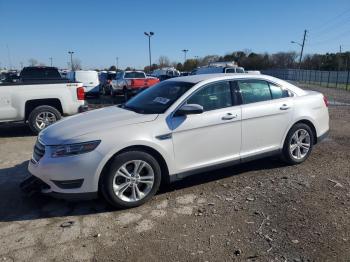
41	117
298	144
132	179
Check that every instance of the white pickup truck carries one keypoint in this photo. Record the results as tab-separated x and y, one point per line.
40	98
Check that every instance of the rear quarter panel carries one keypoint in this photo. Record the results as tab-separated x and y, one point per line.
311	107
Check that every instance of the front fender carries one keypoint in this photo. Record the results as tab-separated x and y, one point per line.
161	149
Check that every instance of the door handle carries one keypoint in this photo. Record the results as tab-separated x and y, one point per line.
284	107
228	116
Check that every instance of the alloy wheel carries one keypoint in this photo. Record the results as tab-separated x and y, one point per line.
44	119
300	144
133	181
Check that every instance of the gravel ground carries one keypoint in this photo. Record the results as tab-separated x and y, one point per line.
258	211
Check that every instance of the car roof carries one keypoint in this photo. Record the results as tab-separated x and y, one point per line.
202	77
195	79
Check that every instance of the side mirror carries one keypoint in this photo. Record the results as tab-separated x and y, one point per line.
189	109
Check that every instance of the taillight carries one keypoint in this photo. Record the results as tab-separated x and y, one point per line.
80	93
325	101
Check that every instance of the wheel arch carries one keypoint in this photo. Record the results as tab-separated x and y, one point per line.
150	150
312	126
309	123
30	105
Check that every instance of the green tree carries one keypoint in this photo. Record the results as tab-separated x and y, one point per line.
190	64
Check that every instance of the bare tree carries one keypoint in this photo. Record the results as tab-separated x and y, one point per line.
76	64
32	62
247	51
163	61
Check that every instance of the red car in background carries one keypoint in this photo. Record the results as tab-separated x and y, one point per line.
130	83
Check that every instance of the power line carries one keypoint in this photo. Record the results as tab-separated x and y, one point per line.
330	39
333	28
335	18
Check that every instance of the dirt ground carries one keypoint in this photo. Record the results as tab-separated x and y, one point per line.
258	211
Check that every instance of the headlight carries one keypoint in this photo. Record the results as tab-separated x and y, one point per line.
73	149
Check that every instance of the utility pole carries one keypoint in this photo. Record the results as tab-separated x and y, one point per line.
149	35
9	56
50	61
185	52
302	49
71	59
340	58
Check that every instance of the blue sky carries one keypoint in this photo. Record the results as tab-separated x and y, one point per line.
98	31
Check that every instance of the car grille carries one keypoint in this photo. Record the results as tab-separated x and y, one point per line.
39	151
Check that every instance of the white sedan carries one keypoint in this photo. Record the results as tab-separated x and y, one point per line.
179	127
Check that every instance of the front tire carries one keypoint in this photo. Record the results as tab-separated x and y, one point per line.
41	117
132	179
298	144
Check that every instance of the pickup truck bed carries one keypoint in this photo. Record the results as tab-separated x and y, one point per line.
30	102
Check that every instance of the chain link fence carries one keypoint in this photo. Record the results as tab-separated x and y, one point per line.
334	84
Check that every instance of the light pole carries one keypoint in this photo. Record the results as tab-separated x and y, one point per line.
117	60
185	52
50	61
149	35
71	59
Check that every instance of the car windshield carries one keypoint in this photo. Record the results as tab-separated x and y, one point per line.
158	98
134	75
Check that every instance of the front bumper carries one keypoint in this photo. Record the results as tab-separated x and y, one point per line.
71	175
33	185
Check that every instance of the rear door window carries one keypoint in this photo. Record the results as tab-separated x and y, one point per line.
253	91
278	92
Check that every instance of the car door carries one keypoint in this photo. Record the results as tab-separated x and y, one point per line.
266	114
212	137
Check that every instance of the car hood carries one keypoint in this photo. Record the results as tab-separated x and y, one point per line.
89	122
